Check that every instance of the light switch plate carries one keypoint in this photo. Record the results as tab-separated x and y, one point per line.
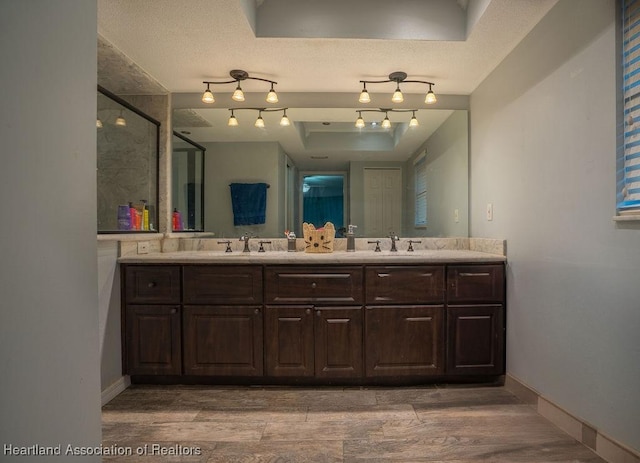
489	211
456	215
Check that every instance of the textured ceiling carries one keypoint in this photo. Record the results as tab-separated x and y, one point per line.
181	43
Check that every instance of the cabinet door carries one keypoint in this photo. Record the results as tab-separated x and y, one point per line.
152	340
222	340
475	340
338	342
289	341
404	340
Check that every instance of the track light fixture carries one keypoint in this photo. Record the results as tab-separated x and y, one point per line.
397	97
386	123
121	121
284	120
238	76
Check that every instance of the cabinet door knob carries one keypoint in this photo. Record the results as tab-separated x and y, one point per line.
174	311
318	312
257	311
152	284
308	311
314	285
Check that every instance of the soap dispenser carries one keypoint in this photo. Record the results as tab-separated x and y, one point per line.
351	238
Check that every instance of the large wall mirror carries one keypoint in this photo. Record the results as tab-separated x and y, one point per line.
411	180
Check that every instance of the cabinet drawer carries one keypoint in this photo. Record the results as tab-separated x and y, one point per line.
475	283
222	284
313	284
405	284
149	284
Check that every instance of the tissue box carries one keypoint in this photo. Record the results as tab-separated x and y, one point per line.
318	240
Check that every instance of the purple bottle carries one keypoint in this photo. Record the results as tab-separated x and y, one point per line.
124	218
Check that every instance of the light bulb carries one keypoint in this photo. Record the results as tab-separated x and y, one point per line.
272	96
285	122
120	121
397	96
259	122
207	96
414	122
386	123
430	98
233	122
364	96
360	122
238	95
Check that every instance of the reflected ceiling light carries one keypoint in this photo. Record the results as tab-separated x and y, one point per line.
386	123
414	122
233	122
259	121
238	95
120	121
284	120
397	97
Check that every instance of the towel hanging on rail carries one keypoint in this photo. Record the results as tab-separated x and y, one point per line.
249	203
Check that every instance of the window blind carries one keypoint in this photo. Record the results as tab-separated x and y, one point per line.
420	173
629	194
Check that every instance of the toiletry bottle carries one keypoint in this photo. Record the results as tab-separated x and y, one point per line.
134	216
174	219
124	218
145	215
291	242
351	238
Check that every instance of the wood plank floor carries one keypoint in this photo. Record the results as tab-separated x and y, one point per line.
457	424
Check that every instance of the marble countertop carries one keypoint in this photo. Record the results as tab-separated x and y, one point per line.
336	257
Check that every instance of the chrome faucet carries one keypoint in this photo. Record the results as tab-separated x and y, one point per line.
245	238
394	238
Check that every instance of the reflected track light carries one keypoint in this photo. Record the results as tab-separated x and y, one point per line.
386	123
284	120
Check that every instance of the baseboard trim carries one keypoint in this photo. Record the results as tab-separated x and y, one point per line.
114	389
607	448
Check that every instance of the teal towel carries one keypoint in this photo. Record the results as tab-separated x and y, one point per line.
249	203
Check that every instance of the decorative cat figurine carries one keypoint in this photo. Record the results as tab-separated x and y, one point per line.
318	240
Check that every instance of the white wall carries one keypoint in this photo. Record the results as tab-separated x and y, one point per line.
543	147
109	315
49	357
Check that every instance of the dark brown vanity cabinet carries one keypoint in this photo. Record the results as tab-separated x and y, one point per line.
291	323
222	320
404	337
151	318
475	319
310	330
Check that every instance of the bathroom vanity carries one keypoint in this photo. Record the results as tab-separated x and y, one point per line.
296	318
